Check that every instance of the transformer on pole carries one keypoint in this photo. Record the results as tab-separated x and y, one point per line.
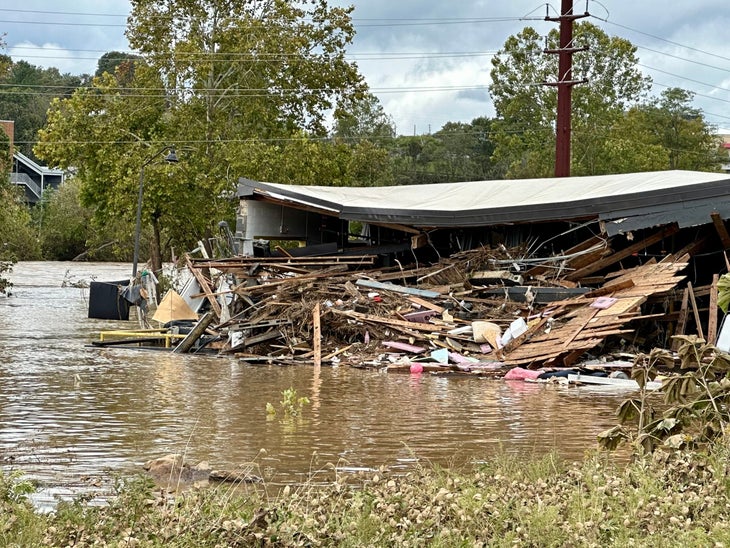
565	85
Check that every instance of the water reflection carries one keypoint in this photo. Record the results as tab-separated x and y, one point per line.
69	411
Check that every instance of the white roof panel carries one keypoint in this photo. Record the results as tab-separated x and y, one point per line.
504	201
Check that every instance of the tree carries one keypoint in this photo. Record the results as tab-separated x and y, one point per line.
364	119
457	152
526	109
219	78
680	129
113	60
26	94
64	224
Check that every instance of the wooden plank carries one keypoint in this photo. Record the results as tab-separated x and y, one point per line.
583	323
682	321
371	284
531	330
195	333
331	355
387	321
695	311
622	305
620	255
721	229
203	282
317	335
712	321
427	304
609	288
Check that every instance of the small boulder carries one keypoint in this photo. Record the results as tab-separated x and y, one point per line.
173	468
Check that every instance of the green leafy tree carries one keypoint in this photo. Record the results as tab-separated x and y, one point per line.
364	119
18	240
457	152
523	131
25	96
679	128
116	60
222	80
367	133
65	225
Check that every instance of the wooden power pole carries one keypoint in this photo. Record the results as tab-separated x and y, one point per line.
565	85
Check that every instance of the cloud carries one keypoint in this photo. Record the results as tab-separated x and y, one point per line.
51	55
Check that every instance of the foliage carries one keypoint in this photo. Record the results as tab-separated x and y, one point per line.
291	404
456	152
5	284
696	399
116	62
671	123
64	223
231	83
525	140
18	237
27	93
364	119
678	500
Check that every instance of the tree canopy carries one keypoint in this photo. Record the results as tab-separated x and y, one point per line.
526	108
228	82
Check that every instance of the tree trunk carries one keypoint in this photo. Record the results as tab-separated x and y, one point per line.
156	248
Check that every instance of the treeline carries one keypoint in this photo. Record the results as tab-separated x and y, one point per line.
252	95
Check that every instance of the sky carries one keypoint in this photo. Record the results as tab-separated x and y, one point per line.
428	61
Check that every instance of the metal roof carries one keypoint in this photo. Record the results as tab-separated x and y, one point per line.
481	203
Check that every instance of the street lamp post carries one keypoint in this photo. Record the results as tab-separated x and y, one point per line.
171	158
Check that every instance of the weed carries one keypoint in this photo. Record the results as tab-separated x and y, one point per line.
291	404
696	400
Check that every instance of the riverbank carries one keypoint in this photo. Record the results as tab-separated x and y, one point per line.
680	499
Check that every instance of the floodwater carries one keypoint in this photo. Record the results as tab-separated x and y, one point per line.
72	416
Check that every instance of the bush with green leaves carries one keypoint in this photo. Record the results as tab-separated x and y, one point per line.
695	409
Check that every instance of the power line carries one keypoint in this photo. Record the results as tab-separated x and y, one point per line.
682	77
724	58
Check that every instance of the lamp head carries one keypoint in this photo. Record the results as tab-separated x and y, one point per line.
171	157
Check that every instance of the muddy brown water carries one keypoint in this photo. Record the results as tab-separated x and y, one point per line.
72	416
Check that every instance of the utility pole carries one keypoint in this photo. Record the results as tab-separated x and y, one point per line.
565	85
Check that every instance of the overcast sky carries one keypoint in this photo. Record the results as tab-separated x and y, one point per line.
428	61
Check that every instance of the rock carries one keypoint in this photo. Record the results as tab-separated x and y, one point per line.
241	475
173	468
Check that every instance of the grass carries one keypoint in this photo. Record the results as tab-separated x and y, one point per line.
666	499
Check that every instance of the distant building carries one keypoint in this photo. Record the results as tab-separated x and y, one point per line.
33	177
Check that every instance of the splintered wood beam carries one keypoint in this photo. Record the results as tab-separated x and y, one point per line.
712	321
620	255
583	246
317	336
203	282
721	229
580	328
187	343
415	326
695	310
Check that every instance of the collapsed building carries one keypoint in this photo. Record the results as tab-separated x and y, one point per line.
536	272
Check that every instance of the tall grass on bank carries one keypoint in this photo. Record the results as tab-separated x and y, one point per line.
666	499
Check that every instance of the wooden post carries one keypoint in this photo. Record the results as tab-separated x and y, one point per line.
721	229
712	321
205	288
317	343
695	311
682	320
197	331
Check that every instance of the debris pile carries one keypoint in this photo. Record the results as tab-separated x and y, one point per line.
475	311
